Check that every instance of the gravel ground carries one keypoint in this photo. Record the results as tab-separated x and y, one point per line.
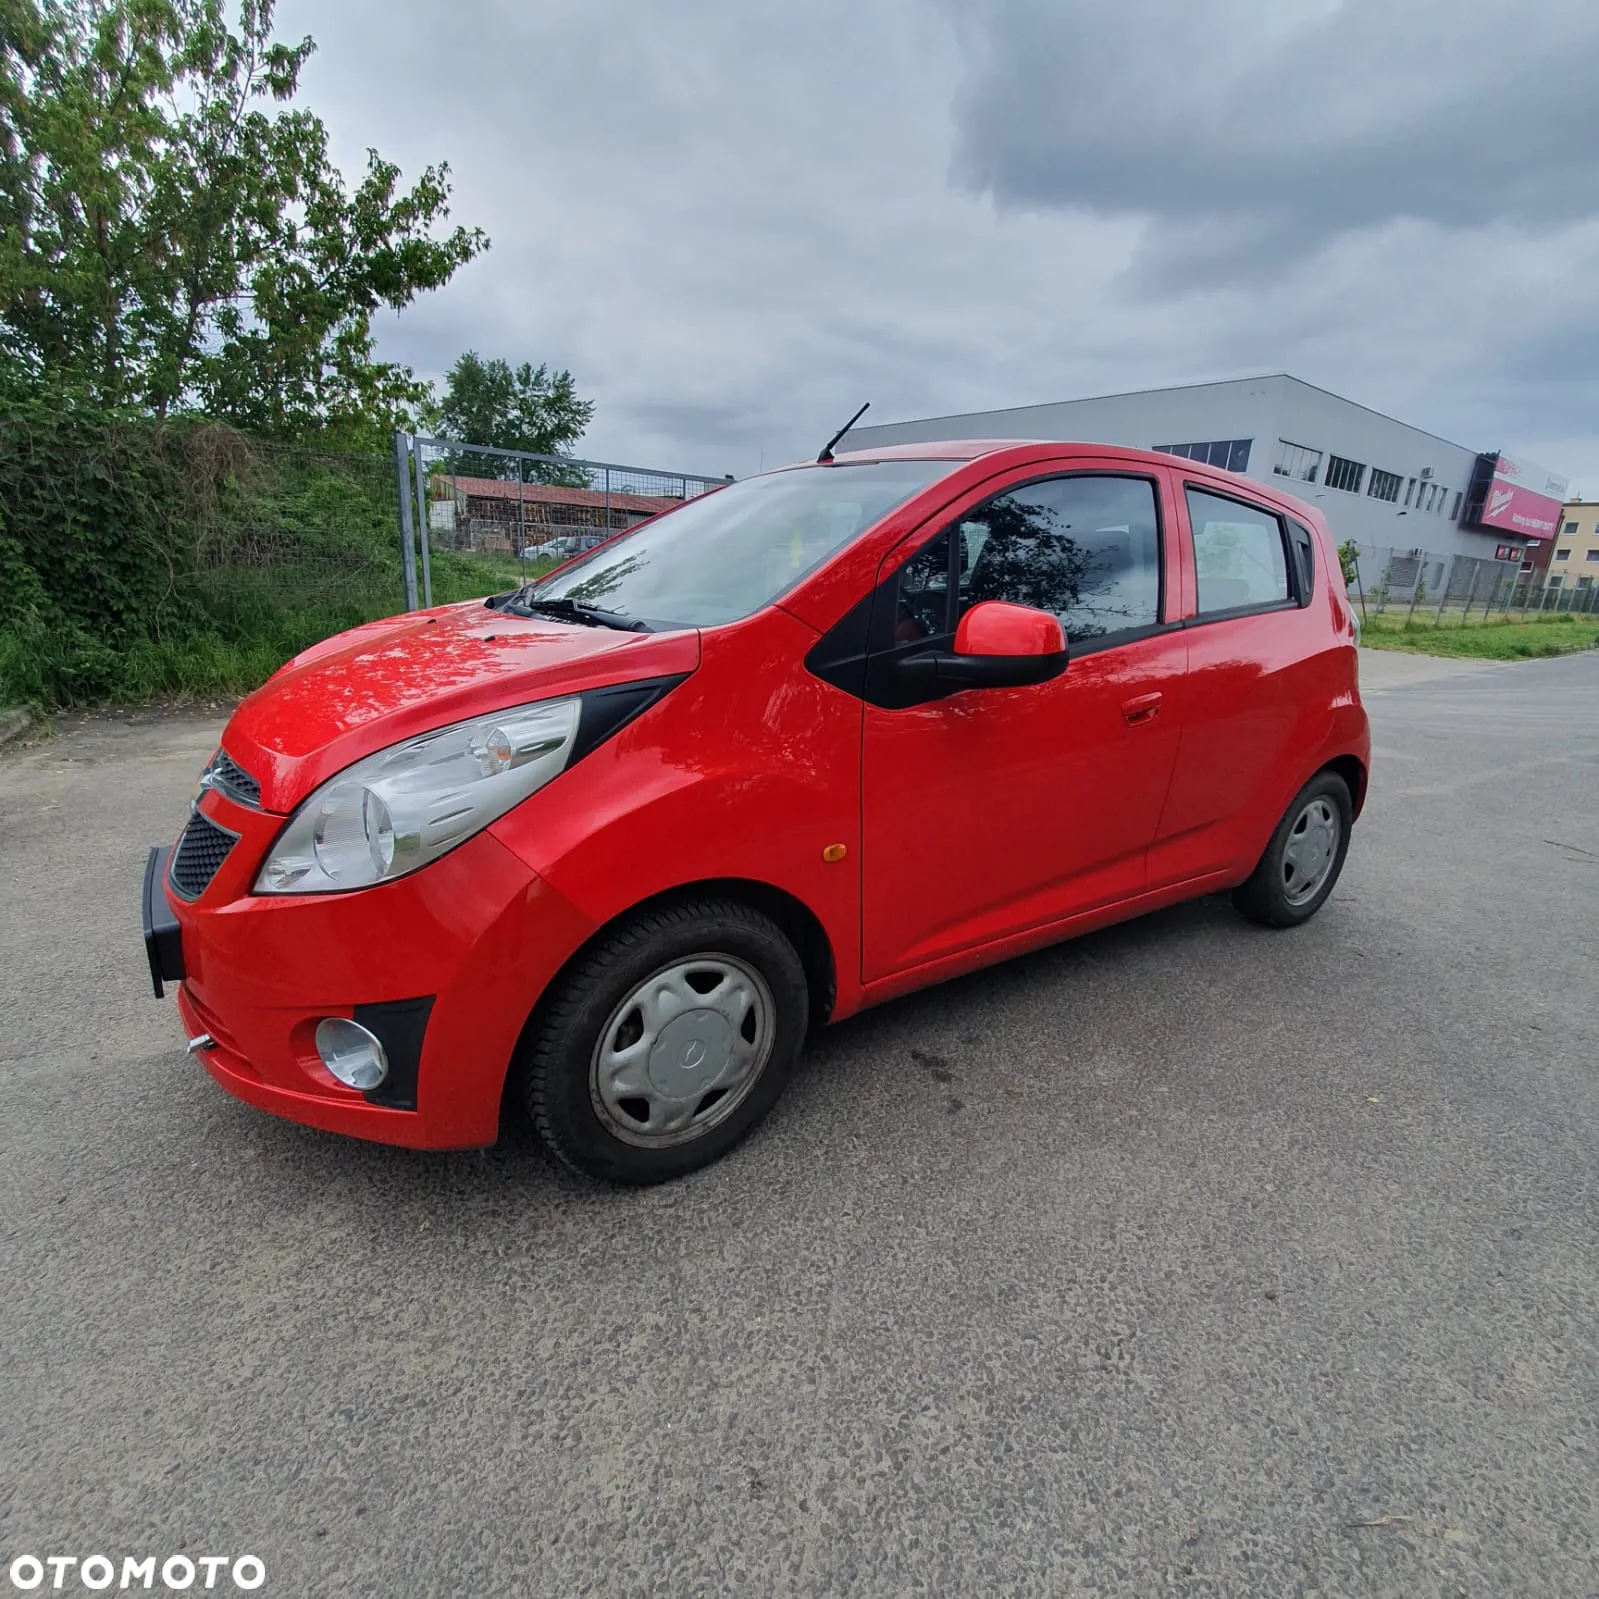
1187	1258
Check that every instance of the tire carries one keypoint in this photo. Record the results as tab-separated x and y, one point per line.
623	1071
1300	845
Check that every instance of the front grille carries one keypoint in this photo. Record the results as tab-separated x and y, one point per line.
200	851
226	774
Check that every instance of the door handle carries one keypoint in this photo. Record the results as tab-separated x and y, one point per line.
1143	709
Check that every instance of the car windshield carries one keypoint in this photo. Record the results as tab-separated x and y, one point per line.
725	555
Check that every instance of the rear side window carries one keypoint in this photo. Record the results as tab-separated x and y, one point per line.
1304	547
1239	555
1085	548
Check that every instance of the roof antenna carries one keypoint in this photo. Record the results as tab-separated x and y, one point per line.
827	449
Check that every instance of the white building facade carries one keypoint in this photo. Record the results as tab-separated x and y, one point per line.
1380	482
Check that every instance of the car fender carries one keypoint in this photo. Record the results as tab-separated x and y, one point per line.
739	773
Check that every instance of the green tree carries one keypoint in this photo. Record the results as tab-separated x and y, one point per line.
522	408
170	242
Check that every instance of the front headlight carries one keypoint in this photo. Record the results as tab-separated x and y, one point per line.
409	804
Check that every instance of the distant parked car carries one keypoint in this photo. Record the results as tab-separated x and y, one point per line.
557	549
627	834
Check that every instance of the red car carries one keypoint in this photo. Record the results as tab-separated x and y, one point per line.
618	841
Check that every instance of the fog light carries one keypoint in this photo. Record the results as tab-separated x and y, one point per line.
350	1052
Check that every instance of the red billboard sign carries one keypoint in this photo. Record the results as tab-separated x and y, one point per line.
1523	498
1513	509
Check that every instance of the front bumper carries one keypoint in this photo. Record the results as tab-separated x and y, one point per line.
163	938
459	952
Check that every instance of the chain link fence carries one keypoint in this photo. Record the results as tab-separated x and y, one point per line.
299	530
474	518
1418	584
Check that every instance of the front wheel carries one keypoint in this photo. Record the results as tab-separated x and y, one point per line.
1304	857
668	1042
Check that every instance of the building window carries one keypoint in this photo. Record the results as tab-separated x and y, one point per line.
1592	555
1297	461
1454	515
1384	485
1410	491
1230	454
1342	474
1571	530
1555	581
1562	555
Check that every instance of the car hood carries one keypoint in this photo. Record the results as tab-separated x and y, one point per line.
361	691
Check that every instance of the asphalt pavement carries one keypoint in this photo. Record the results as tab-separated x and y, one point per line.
1188	1258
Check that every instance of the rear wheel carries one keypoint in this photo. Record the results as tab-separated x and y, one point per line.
668	1042
1304	857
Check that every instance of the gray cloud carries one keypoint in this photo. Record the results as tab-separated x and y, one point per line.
1258	127
735	222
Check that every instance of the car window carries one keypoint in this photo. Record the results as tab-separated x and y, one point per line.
922	608
1305	560
728	553
1239	558
1085	548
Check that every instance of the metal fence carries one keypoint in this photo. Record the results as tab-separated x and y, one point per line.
1443	589
480	518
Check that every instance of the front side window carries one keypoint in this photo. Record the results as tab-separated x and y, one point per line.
922	608
1086	549
1239	558
725	555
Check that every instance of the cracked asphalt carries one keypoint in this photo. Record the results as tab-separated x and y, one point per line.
1185	1259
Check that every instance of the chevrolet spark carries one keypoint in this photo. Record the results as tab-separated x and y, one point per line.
609	847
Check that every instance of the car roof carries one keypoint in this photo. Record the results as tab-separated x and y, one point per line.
952	449
966	450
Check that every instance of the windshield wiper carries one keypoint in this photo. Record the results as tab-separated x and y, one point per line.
566	610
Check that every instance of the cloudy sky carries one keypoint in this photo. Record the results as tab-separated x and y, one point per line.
736	219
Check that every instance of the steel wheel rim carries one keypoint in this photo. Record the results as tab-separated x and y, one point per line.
1310	851
682	1051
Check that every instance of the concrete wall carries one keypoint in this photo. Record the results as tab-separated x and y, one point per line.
1264	410
1335	426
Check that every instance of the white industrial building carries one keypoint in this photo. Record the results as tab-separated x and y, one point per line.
1383	483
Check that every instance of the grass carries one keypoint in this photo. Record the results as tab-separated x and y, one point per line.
1495	638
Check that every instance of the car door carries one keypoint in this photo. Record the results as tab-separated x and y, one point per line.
991	811
1255	699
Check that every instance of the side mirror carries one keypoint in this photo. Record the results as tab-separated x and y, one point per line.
996	628
997	645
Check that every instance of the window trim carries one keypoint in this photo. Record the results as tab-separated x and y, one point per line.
1296	601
